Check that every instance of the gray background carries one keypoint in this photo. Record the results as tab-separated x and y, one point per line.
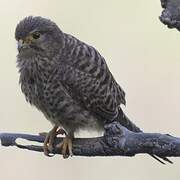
142	54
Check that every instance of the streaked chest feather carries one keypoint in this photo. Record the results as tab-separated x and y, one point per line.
42	89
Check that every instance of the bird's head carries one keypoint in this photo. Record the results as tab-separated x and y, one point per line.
36	35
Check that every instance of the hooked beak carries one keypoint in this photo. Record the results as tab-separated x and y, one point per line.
22	45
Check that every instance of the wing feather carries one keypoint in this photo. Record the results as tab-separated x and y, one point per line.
85	75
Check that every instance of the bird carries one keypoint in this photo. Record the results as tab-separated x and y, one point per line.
68	81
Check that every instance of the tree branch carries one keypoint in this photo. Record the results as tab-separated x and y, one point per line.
117	141
171	14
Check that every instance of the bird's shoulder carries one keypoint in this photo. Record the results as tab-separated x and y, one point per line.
82	56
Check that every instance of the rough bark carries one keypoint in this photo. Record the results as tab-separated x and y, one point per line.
171	13
117	141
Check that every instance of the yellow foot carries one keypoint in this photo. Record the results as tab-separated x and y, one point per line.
66	147
50	138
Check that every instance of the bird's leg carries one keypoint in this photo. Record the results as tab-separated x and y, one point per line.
66	146
50	138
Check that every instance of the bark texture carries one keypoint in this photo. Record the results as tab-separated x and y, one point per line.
117	141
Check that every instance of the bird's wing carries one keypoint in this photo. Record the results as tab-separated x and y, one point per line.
86	77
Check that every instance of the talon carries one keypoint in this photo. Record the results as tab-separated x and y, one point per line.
50	138
45	147
70	148
66	147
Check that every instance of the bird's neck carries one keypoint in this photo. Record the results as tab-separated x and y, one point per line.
37	68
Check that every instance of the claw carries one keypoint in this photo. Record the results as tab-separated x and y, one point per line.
66	147
49	140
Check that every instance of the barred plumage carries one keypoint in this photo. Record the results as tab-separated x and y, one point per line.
67	80
73	87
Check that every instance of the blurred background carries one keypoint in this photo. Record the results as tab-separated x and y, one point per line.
143	56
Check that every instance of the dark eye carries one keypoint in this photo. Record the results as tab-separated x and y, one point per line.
36	35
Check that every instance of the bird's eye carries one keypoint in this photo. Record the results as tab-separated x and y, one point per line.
36	35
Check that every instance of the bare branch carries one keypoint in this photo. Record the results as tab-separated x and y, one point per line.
171	14
117	141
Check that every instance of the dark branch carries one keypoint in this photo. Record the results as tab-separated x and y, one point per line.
117	140
171	14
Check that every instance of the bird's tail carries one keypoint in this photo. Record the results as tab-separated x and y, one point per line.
126	122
